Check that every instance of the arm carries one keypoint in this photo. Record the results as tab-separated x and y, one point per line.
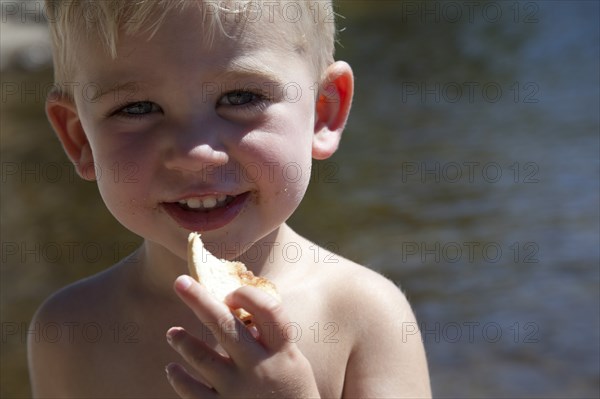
388	359
50	358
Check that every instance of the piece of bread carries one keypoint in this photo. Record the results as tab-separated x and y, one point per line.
220	277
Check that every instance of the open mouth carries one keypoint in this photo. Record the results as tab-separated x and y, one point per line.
206	203
208	212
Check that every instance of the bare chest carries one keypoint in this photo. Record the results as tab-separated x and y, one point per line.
131	362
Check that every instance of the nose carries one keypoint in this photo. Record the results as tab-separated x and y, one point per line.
189	152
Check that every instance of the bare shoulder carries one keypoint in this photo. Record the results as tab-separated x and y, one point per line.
387	357
368	297
84	299
65	325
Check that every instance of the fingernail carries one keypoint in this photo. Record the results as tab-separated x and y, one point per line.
183	282
171	333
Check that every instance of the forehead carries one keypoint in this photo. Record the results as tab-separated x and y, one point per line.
185	54
199	35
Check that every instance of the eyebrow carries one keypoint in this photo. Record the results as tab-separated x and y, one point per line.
248	68
126	89
245	68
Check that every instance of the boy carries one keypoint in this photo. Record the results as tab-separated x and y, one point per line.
213	104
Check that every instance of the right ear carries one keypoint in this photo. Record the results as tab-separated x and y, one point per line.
63	116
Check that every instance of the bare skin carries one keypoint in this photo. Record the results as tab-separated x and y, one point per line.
349	353
341	331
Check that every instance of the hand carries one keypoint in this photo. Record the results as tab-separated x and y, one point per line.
263	363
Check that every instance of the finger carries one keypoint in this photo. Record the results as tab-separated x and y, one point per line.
210	364
185	385
276	332
227	329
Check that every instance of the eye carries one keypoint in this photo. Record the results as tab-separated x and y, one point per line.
139	108
239	98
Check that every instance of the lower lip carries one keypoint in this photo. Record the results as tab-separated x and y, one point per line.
206	220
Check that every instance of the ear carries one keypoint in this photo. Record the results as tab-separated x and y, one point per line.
332	108
63	116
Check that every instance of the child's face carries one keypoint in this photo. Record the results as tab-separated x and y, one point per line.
190	124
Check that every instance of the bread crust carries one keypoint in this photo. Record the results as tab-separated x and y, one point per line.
221	276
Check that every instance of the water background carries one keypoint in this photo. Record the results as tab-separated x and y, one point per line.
469	174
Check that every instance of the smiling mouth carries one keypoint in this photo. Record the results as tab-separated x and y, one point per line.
206	212
205	203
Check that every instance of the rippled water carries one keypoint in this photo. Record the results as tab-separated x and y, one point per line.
469	173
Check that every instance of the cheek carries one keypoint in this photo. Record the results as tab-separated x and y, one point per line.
123	188
280	164
123	176
120	168
123	155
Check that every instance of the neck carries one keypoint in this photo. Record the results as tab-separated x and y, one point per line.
157	268
266	256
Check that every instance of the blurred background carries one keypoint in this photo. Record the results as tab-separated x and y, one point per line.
468	174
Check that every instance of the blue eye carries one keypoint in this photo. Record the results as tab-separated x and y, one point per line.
238	98
139	108
135	110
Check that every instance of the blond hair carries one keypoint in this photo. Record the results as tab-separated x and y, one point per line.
74	21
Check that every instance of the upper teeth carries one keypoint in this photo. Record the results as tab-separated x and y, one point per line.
207	202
